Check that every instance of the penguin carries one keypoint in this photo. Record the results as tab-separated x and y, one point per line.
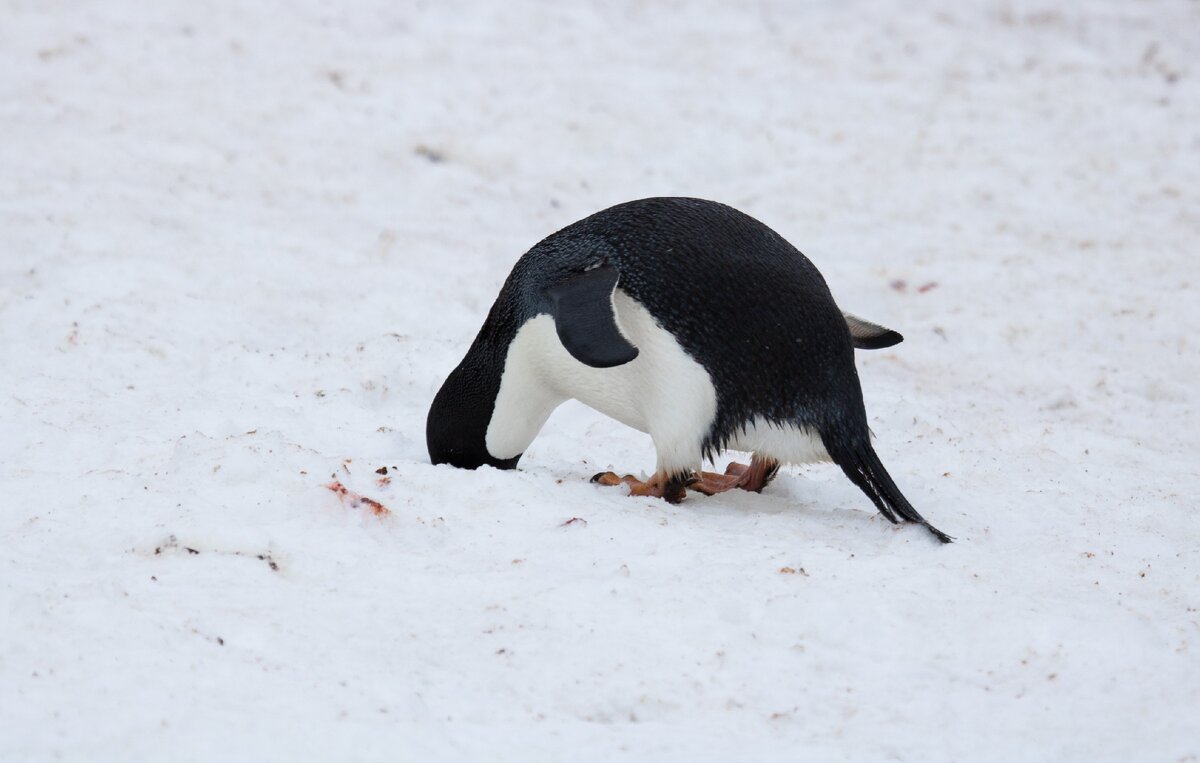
687	320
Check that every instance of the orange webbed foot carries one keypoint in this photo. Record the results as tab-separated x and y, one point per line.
669	489
753	477
711	483
757	475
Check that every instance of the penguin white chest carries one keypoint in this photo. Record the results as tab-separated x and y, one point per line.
663	391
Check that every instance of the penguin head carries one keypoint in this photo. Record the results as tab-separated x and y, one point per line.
456	430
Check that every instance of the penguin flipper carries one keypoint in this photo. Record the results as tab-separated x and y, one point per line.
870	336
586	320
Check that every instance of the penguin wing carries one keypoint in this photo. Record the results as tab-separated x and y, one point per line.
870	336
586	320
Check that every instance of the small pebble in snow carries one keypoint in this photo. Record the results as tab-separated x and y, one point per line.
432	155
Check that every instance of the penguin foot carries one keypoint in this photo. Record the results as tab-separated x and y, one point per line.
671	490
753	477
711	483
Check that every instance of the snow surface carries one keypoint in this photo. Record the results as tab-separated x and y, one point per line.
241	245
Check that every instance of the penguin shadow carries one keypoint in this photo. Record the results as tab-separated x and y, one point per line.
776	499
810	498
815	494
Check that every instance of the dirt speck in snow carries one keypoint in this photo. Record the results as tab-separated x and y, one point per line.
355	500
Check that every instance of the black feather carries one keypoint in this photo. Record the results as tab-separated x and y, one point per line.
862	465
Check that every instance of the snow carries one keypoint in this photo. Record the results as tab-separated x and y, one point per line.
242	244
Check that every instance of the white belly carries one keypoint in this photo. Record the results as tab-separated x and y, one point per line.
787	443
663	391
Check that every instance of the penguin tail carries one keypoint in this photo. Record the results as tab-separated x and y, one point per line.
863	467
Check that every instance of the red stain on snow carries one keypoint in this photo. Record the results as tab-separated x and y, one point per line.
346	495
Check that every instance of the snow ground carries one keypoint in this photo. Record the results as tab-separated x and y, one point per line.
241	245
